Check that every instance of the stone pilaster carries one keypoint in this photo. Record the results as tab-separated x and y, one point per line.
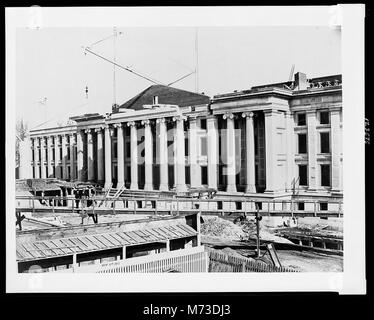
100	155
212	132
36	157
290	150
81	175
163	154
250	153
108	158
230	153
49	160
134	155
72	156
120	155
57	157
64	156
43	158
336	152
193	152
180	178
270	152
90	159
312	150
148	158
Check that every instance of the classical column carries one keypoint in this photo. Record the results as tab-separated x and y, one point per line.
134	155
57	157
36	157
290	150
335	150
80	151
43	158
312	149
193	150
108	158
270	146
230	153
180	178
64	156
148	157
90	159
212	131
163	154
49	160
100	155
72	156
120	156
250	153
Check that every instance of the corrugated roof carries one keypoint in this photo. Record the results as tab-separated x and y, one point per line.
166	95
67	246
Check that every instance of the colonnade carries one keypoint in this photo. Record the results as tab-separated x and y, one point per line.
96	165
49	161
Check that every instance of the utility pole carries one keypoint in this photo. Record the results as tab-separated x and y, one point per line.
196	62
258	218
114	66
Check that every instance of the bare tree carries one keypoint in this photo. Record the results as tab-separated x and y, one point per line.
21	133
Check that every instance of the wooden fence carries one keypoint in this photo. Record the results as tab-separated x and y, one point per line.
221	206
185	260
221	262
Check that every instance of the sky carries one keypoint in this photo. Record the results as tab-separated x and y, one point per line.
50	63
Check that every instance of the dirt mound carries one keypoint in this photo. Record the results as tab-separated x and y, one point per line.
217	227
249	228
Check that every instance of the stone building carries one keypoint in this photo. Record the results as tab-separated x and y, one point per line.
273	141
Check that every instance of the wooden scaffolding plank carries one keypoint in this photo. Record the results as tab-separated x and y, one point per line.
135	236
111	239
125	237
119	239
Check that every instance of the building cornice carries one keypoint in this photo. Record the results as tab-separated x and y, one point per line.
276	92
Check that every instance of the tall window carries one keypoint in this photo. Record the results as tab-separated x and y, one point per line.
325	142
68	154
301	119
115	149
187	172
325	175
324	117
186	146
204	147
128	149
203	124
303	175
204	175
302	143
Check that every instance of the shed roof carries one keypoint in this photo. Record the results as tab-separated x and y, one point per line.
38	250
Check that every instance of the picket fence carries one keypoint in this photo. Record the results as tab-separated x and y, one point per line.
222	262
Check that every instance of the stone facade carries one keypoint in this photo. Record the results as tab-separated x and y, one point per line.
272	140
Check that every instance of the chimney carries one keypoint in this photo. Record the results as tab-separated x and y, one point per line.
300	81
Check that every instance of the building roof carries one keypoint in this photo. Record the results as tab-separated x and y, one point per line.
37	250
166	95
289	87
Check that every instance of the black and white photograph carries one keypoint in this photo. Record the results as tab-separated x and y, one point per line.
201	149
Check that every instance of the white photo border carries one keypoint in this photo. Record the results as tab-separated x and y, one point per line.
349	17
